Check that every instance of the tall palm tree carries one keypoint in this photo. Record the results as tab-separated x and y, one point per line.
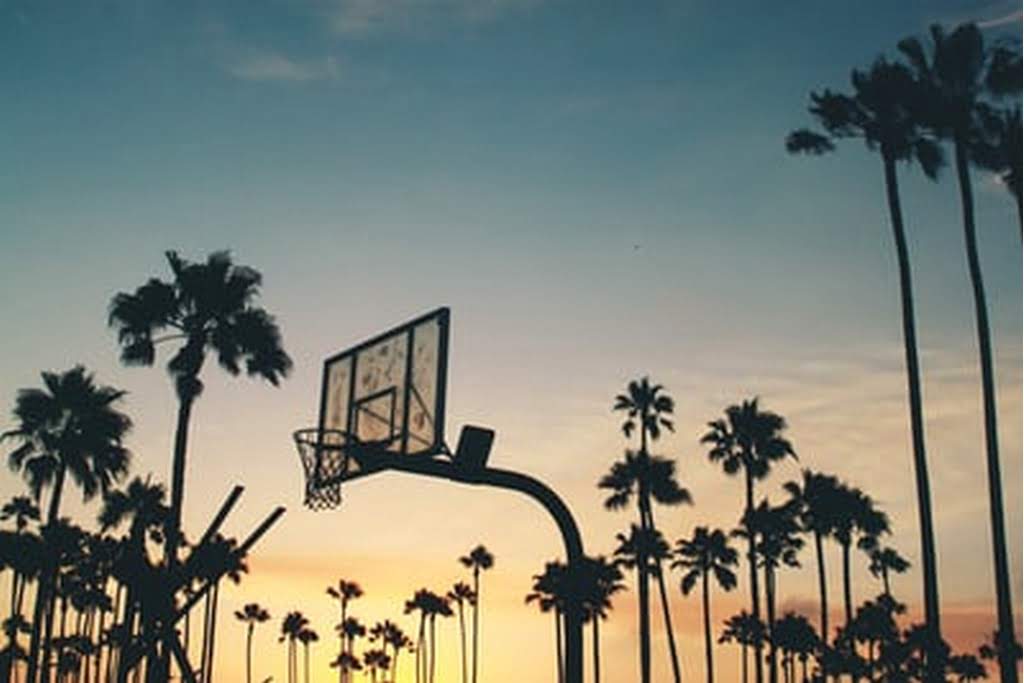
461	594
391	635
651	479
549	592
747	631
814	498
749	440
885	560
478	560
209	308
291	626
420	602
856	516
597	582
251	615
958	72
307	637
881	112
344	592
706	555
72	426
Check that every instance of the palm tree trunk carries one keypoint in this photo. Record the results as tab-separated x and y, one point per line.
847	591
755	598
305	660
597	650
476	622
1007	637
433	646
213	630
822	585
746	677
43	586
342	671
769	598
924	503
462	638
673	654
707	629
248	653
558	646
885	580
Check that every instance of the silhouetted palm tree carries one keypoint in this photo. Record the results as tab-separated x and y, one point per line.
71	426
420	602
460	594
291	626
251	615
746	630
705	555
795	638
478	560
344	592
749	440
376	660
209	308
881	112
347	663
856	515
389	634
814	498
885	560
652	479
18	554
549	592
598	581
307	637
959	71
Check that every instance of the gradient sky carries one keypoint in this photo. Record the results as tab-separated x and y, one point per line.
598	191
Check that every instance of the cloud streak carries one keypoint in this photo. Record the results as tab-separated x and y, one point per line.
362	17
276	67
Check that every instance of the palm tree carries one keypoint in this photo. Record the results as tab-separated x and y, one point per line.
959	71
307	636
376	660
396	638
597	582
479	559
881	113
344	592
347	663
251	615
746	630
71	426
795	637
885	560
705	555
291	626
749	440
209	308
420	602
15	554
549	592
814	500
461	594
856	515
648	409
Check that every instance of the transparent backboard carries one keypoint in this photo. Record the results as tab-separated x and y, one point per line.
389	392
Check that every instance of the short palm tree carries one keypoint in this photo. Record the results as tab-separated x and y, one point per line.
291	626
376	660
883	112
344	592
71	427
856	516
549	592
208	307
461	594
958	72
251	615
307	637
885	560
478	560
747	631
795	638
749	440
599	580
814	498
420	602
702	557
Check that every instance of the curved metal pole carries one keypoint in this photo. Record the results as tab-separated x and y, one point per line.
541	493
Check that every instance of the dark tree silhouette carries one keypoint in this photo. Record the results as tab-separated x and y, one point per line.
598	581
885	560
702	557
856	517
749	440
344	592
747	631
291	626
70	427
999	149
882	112
251	615
549	591
307	637
478	560
461	594
957	73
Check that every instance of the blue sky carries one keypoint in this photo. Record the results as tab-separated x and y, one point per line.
598	190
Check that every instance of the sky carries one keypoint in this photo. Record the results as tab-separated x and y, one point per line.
598	190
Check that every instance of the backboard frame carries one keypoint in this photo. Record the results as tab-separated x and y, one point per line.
442	316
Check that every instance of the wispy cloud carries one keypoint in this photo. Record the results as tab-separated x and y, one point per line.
1011	18
360	17
273	66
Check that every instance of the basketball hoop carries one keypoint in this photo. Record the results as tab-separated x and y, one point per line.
325	459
